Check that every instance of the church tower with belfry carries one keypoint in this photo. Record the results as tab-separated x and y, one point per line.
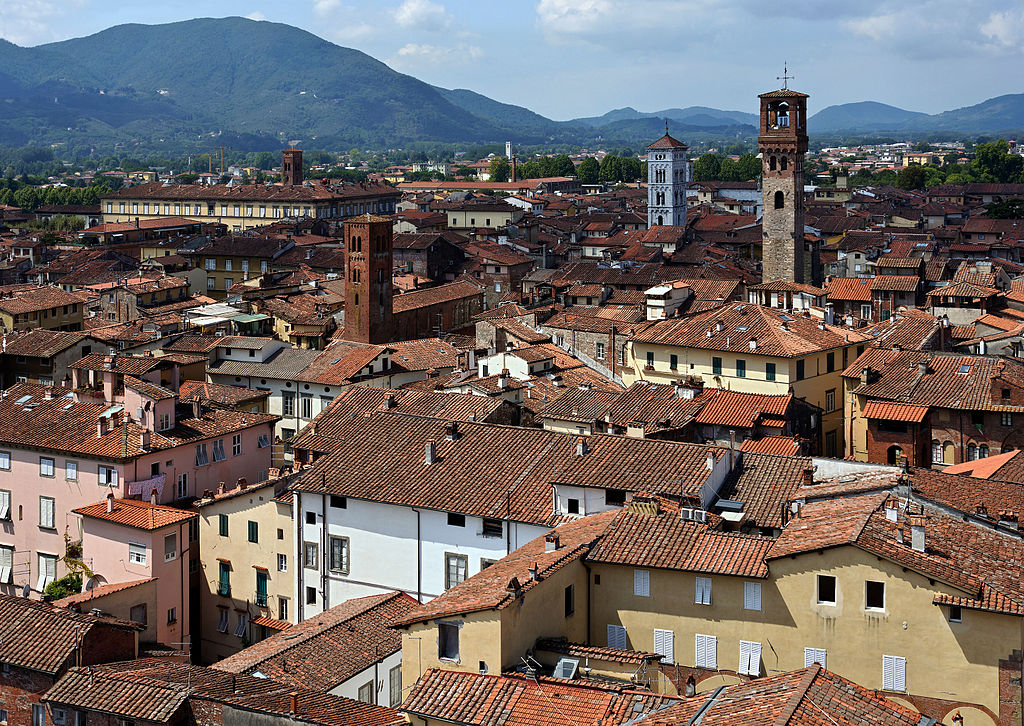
369	314
782	143
668	171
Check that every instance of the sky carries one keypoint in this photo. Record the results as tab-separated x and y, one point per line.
571	58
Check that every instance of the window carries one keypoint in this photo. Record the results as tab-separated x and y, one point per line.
236	445
45	466
310	517
310	595
338	502
936	452
38	714
222	624
447	641
826	590
815	655
395	686
572	505
138	614
5	460
47	571
716	366
972	452
172	616
830	362
282	609
750	658
71	470
254	531
485	563
46	512
650	359
170	547
261	588
264	441
5	504
492	528
339	554
108	476
769	371
830	400
211	283
1006	419
570	600
874	595
282	563
642	583
222	524
211	264
665	645
983	451
741	368
894	673
703	595
599	351
454	570
228	263
673	361
780	199
181	490
202	456
311	555
751	595
6	564
956	613
224	579
218	450
242	625
366	692
800	370
288	403
707	651
456	520
617	637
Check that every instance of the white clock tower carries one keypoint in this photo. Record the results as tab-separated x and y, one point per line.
668	171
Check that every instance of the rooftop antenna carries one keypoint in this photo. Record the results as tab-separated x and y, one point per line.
666	127
785	77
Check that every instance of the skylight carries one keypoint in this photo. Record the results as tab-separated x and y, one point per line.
23	399
965	368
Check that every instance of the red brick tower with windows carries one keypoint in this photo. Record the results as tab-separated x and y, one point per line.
291	167
368	290
783	143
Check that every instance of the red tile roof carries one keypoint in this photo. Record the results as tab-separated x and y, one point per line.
135	513
742	410
894	411
785	445
82	598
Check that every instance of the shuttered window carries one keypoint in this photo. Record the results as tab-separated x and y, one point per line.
642	583
815	655
750	658
703	596
894	673
665	645
707	651
751	595
616	637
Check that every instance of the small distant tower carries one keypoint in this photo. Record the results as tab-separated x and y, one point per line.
782	143
511	161
668	171
291	167
368	290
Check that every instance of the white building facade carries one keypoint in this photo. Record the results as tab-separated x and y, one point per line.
668	172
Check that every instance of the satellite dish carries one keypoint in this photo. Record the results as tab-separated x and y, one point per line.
25	590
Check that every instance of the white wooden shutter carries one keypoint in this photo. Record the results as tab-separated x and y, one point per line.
752	595
894	673
665	645
707	651
617	637
744	666
750	657
815	655
642	583
703	591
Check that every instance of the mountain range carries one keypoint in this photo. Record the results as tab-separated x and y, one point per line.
255	85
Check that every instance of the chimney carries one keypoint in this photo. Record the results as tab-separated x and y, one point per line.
152	496
101	427
807	476
144	439
917	533
551	542
220	488
110	502
582	448
710	462
922	367
503	379
293	702
533	572
242	482
430	453
451	430
389	401
865	376
48	393
197	410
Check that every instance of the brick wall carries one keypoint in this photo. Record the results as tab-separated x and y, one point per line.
19	690
109	645
915	443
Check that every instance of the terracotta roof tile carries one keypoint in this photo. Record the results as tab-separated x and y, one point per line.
894	411
138	514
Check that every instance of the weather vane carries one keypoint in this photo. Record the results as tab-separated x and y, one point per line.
785	77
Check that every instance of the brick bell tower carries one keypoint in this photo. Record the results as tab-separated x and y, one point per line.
782	143
291	167
368	291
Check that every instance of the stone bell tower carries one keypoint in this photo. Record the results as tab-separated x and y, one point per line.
782	143
668	171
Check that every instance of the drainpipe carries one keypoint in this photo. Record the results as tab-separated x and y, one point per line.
590	579
419	557
324	554
300	595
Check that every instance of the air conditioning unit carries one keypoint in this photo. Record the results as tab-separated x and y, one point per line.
693	515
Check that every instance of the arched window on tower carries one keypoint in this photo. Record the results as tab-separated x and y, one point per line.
783	162
783	115
771	163
780	200
661	220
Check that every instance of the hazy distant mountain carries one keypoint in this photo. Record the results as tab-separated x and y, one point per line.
1003	113
864	115
513	120
700	116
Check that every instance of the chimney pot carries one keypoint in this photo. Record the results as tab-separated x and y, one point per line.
534	572
581	448
430	452
917	539
110	502
152	496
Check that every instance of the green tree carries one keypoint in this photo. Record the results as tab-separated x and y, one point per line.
922	146
728	171
464	171
27	198
1009	209
588	171
561	165
748	167
500	169
911	177
611	169
707	167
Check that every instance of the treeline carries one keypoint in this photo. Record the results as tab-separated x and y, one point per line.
28	197
717	167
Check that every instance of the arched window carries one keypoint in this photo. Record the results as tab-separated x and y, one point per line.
771	163
894	454
660	220
983	451
936	452
780	200
972	452
783	162
948	452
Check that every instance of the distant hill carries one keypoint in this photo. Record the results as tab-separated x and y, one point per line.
1002	113
697	116
864	115
513	120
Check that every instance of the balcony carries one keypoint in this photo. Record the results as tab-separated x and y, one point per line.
224	589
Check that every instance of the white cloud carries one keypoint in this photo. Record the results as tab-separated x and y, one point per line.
1005	29
341	23
422	15
417	55
256	16
876	27
27	22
